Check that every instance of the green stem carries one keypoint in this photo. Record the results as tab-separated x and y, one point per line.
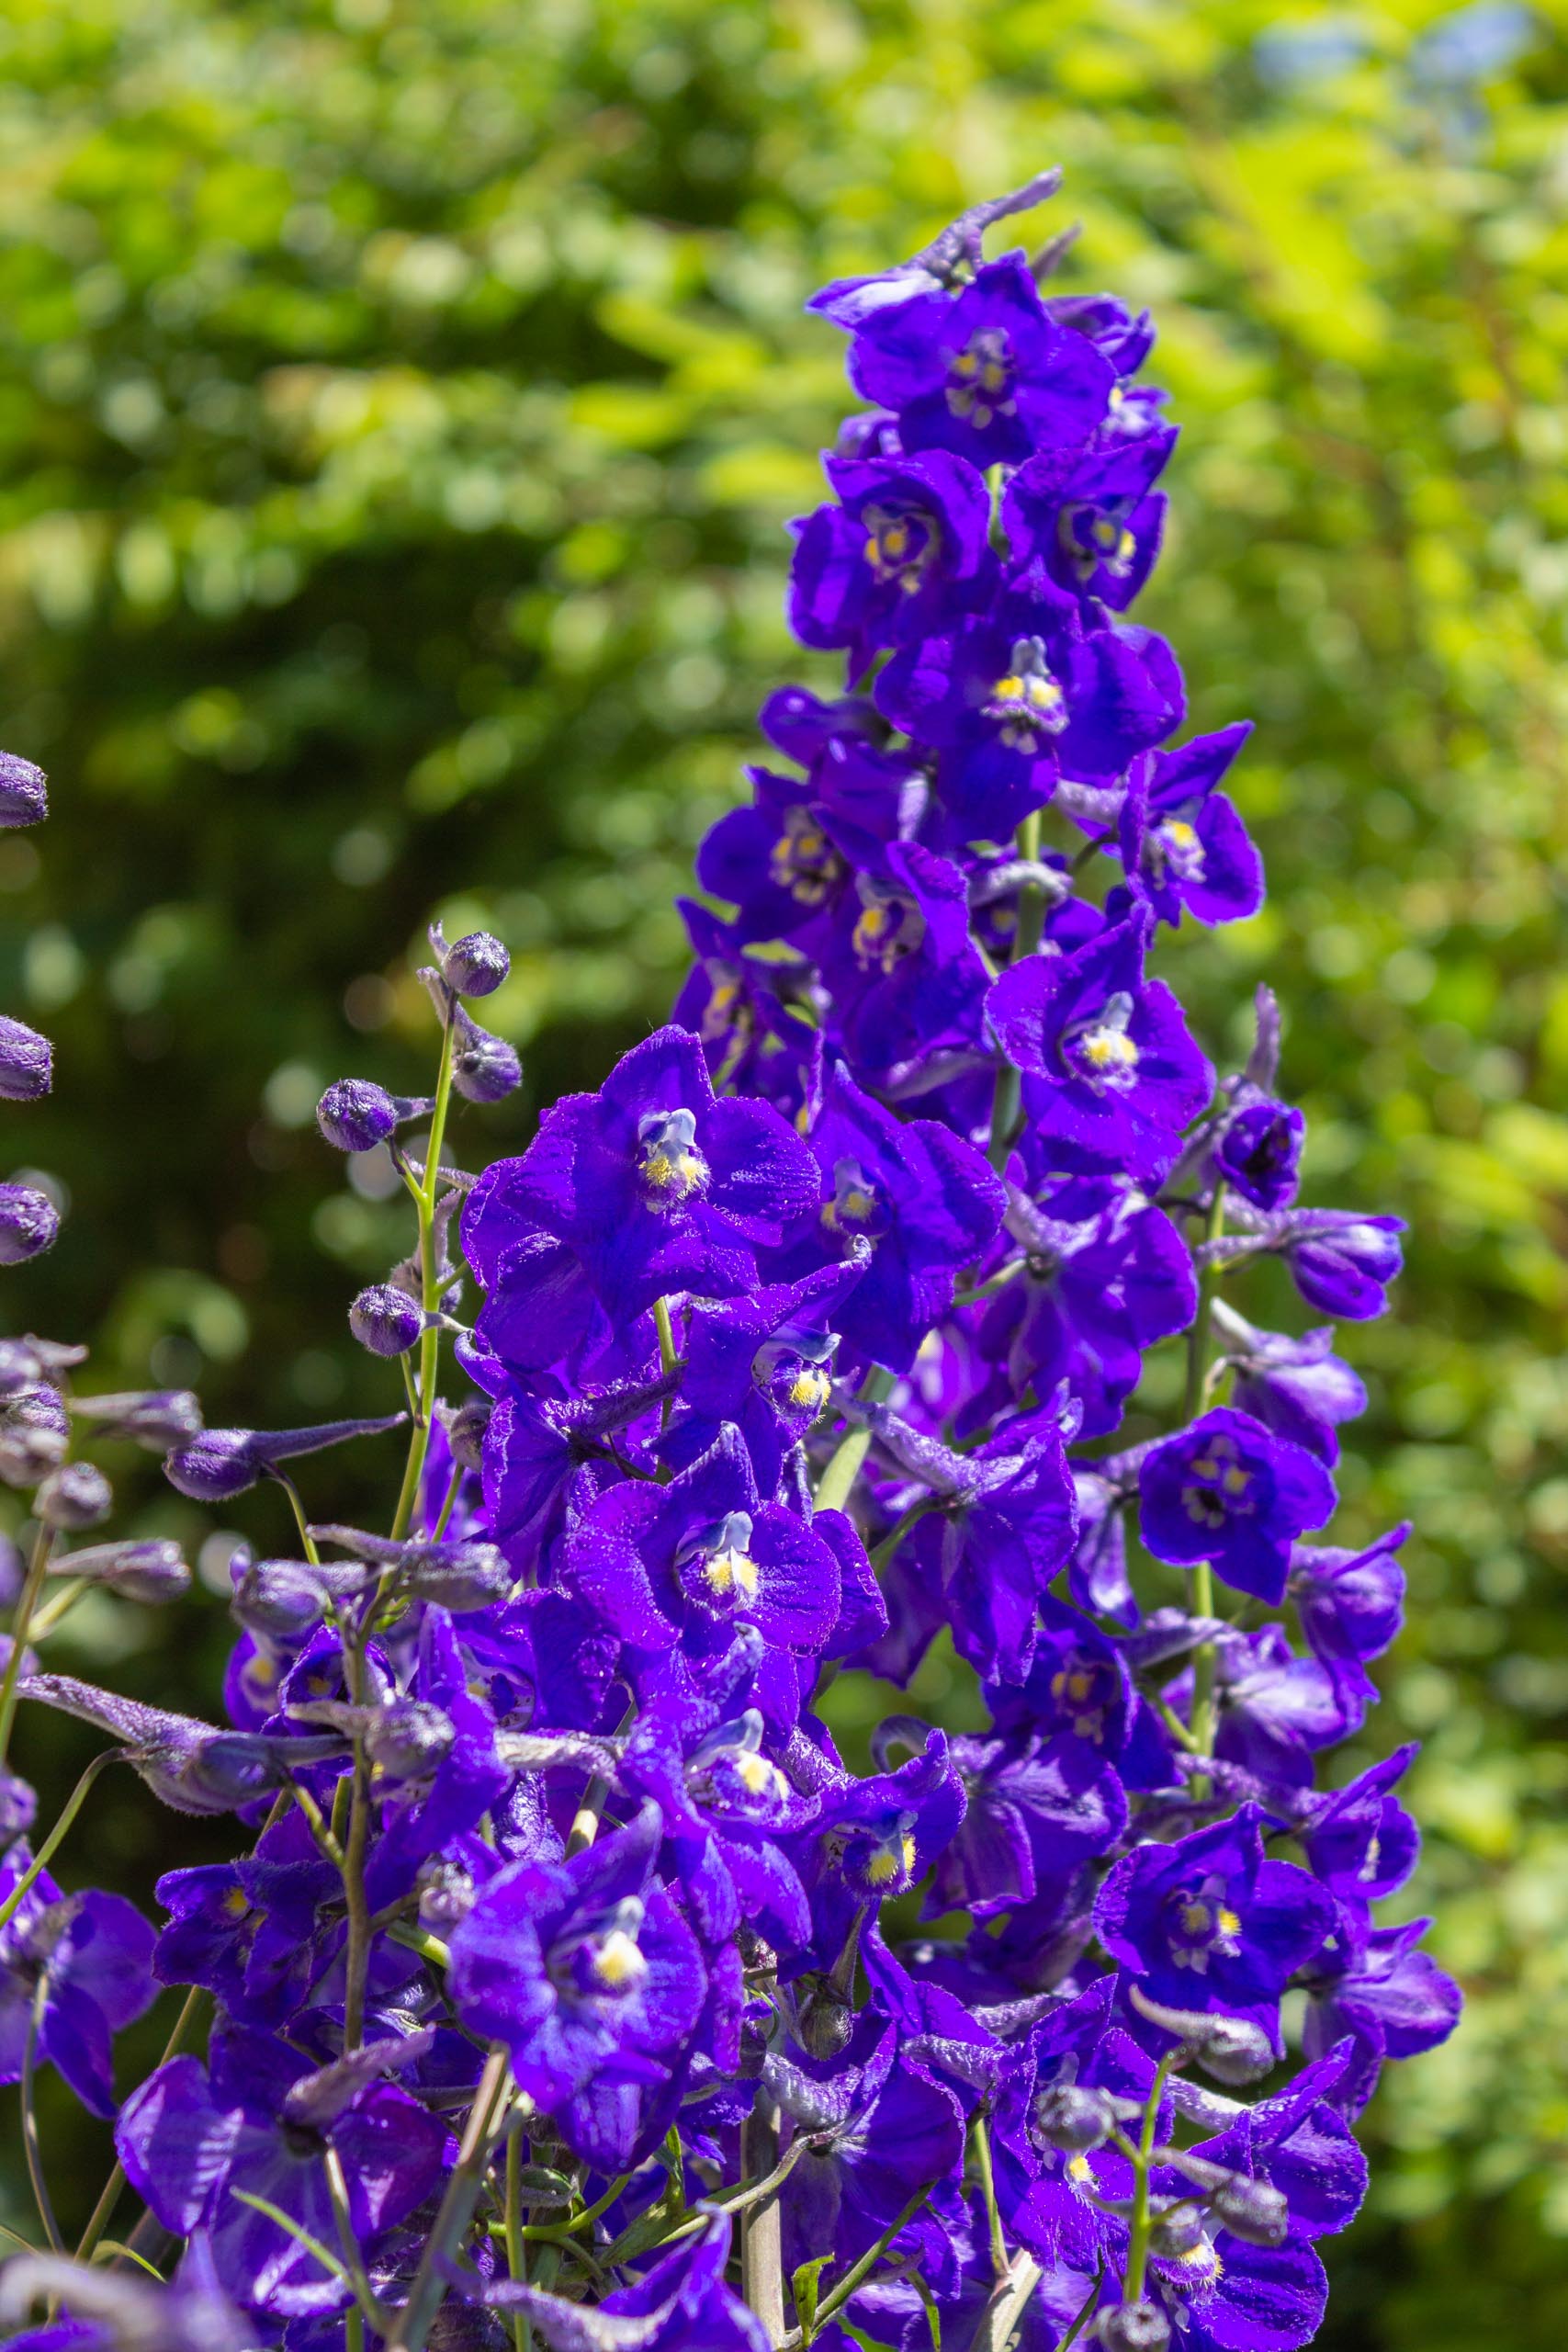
836	1481
980	2143
456	1480
72	1806
1198	1356
516	2251
194	2002
1025	940
1138	2236
29	2119
855	2278
430	1292
283	1479
59	1606
37	1568
428	2291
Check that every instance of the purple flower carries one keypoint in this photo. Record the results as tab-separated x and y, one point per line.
1361	1842
907	545
83	1964
986	373
1209	1923
783	863
905	975
652	1184
1388	1996
1106	1275
257	2120
924	1200
764	1364
1112	1073
1343	1263
1038	1809
1226	1490
1257	1152
220	1464
759	1030
585	1968
1002	1525
1297	1387
1277	1711
1351	1603
1092	519
875	2133
687	1565
1183	845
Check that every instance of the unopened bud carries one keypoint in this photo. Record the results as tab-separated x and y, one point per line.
484	1068
1230	2050
409	1739
150	1568
1250	2210
1177	2229
24	792
1133	2327
465	1431
35	1429
74	1497
446	1896
27	1062
18	1807
824	2018
475	965
1071	2118
155	1417
385	1320
355	1114
29	1224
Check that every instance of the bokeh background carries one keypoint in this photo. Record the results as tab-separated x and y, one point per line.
399	403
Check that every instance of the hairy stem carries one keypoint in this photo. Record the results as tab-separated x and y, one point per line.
1199	1349
1138	2233
430	1290
761	2225
37	1568
1025	940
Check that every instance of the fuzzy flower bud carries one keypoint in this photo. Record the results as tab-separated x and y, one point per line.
1069	2116
75	1497
35	1429
1133	2327
220	1464
1232	2050
465	1431
385	1320
154	1418
355	1114
29	1223
475	965
150	1568
1251	2210
1177	2229
484	1068
24	792
27	1062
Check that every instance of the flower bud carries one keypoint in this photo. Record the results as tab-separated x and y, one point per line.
1250	2210
150	1568
74	1496
155	1417
385	1320
35	1429
1133	2327
484	1068
18	1807
220	1464
823	2017
355	1114
19	1367
409	1739
1230	2050
475	965
286	1598
24	792
1177	2229
446	1898
465	1431
1069	2116
29	1223
27	1062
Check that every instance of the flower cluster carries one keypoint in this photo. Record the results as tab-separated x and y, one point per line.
572	1982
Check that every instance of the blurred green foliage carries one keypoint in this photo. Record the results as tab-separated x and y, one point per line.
400	401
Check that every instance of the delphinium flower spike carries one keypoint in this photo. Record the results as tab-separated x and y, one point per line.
568	1979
